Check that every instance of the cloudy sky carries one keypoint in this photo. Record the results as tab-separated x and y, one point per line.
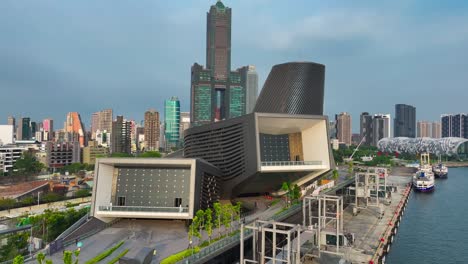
61	56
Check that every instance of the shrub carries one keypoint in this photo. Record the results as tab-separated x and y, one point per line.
179	256
114	260
104	254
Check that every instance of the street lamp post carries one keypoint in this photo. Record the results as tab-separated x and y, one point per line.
38	197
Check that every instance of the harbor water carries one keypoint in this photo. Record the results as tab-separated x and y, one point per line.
434	228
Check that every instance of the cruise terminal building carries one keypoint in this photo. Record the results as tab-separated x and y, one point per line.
285	140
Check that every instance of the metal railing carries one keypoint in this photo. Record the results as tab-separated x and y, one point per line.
72	228
290	163
230	241
108	208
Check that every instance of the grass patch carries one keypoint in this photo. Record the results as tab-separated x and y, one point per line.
275	202
179	256
104	254
114	260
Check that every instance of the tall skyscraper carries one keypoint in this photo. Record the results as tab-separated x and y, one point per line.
424	129
365	128
380	127
120	137
101	121
405	121
249	79
74	125
152	141
184	124
94	124
343	128
172	122
216	91
48	125
436	130
24	129
454	125
12	122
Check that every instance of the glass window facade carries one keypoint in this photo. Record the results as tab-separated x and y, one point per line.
172	122
237	101
274	147
202	104
154	187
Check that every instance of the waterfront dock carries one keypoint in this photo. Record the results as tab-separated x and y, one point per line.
375	233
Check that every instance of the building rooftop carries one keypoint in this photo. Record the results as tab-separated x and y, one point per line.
16	190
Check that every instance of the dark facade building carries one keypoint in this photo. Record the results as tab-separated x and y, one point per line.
405	121
454	125
216	91
121	136
293	88
24	129
366	128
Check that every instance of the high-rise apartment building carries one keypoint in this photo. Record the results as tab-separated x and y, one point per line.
74	125
12	122
374	127
120	137
424	129
48	125
365	128
152	141
436	130
24	129
184	124
405	121
101	121
249	79
454	125
380	127
343	128
172	122
217	92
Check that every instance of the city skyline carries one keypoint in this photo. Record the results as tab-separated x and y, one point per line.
81	63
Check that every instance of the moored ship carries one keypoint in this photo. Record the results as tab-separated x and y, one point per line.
423	179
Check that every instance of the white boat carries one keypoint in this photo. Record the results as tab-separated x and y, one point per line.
423	179
440	170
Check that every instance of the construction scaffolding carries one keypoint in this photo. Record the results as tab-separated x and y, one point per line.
327	220
370	188
285	243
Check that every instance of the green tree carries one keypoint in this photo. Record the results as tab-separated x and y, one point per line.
40	257
18	260
150	154
350	167
227	215
296	192
27	165
209	223
201	219
82	193
218	214
28	201
286	187
68	257
7	203
336	175
51	197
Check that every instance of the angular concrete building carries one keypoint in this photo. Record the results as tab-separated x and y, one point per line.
257	152
153	188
